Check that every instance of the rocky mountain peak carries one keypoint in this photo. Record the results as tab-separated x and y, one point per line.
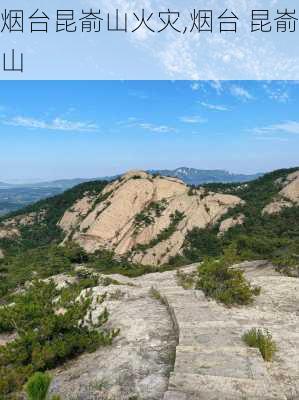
144	216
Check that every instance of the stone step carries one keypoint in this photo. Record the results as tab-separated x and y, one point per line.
197	316
192	326
178	296
209	387
211	337
233	362
181	303
176	395
235	327
202	297
167	288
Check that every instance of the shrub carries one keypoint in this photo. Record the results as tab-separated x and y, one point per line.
184	279
37	386
261	340
41	262
228	285
52	326
287	262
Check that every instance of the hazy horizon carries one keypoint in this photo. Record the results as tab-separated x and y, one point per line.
89	129
21	181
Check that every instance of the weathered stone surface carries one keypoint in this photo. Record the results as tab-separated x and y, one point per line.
287	197
61	280
111	223
8	232
137	364
72	216
203	337
229	223
9	228
276	206
291	190
212	362
6	338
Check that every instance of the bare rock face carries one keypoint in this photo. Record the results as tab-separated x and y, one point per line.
229	223
61	280
7	338
291	190
138	363
143	215
176	344
8	232
288	196
9	229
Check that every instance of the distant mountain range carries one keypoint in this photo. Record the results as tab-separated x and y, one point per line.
15	196
193	176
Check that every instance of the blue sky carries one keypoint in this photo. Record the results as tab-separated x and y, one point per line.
147	55
66	129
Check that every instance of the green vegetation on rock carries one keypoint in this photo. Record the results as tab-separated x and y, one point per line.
37	386
148	215
165	234
217	279
42	262
262	340
262	236
51	326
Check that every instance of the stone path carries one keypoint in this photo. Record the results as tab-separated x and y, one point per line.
212	362
137	365
178	345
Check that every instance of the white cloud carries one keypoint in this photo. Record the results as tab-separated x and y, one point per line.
289	127
195	86
240	92
279	94
194	119
205	57
57	124
217	85
156	128
272	138
216	107
133	122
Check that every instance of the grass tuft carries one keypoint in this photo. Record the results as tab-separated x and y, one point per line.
262	340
